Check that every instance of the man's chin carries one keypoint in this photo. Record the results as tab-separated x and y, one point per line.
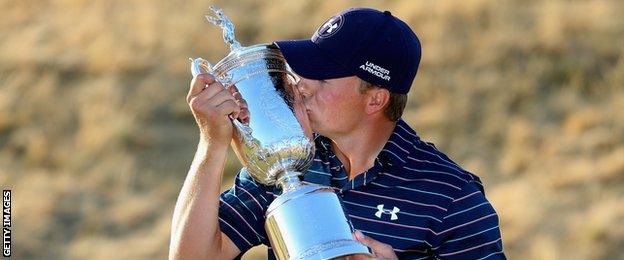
315	129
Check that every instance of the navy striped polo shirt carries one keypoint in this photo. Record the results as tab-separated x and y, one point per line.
414	198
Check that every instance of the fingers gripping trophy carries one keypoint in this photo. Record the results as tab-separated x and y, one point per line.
274	143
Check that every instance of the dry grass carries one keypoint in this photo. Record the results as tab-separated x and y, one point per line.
95	136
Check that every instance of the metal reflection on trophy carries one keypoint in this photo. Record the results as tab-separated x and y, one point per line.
274	144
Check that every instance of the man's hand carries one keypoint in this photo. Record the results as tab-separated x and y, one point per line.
211	104
243	116
380	250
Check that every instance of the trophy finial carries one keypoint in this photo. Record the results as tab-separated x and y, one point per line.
219	19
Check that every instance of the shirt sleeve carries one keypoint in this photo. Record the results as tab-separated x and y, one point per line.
241	212
470	228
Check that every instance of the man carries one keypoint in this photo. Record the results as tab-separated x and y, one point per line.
405	198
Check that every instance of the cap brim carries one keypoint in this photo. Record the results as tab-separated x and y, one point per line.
307	60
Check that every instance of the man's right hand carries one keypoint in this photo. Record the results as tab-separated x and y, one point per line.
211	104
195	232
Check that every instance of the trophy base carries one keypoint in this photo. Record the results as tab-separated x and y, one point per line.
333	251
309	223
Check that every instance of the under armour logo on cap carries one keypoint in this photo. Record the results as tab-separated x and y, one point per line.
376	70
393	212
330	27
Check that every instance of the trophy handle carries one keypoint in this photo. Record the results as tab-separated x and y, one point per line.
245	130
199	66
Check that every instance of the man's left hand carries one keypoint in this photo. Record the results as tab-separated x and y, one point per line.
380	250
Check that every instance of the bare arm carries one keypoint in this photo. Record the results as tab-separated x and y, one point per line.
195	232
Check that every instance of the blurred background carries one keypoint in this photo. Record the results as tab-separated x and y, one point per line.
96	137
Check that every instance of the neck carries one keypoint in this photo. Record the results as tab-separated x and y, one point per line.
358	149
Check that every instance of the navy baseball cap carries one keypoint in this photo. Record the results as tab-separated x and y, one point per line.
372	45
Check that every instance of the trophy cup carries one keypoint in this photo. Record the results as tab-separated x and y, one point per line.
307	221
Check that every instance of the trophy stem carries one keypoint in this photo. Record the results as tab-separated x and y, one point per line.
289	181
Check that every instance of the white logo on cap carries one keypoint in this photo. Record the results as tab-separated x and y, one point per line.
330	27
376	70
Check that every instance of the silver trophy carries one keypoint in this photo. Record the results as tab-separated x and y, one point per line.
274	143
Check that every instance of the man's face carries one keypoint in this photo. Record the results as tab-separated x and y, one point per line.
334	106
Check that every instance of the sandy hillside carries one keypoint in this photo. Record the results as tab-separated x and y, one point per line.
96	137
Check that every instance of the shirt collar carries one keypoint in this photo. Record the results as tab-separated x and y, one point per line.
399	145
394	152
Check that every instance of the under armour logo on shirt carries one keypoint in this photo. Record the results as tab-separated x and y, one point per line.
393	212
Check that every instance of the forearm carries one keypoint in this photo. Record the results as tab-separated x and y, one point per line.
195	227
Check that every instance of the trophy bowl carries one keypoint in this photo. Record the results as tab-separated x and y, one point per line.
276	137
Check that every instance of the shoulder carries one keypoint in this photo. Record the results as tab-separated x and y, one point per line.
424	159
423	168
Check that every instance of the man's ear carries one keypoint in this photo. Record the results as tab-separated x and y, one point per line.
378	99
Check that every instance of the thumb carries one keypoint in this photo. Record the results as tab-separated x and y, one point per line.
380	250
365	239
